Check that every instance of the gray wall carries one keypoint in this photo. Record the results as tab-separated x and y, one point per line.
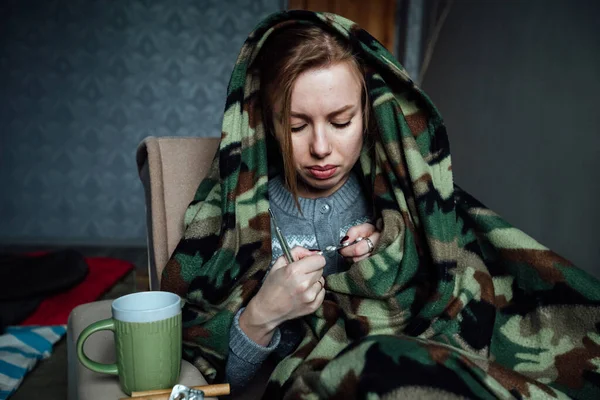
518	83
83	82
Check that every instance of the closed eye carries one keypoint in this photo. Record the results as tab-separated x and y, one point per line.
341	126
298	128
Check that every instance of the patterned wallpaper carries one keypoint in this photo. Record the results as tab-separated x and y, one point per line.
83	82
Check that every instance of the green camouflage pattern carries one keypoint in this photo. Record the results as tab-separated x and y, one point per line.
453	303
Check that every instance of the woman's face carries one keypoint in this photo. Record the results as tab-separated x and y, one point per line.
327	128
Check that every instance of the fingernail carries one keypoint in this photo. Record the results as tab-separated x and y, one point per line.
344	239
320	253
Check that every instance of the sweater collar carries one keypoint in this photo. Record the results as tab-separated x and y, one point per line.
342	199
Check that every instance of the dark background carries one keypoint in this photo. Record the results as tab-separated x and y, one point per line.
518	84
83	82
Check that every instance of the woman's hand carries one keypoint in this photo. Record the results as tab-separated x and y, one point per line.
288	292
361	250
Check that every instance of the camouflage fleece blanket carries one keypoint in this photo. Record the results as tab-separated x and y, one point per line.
454	302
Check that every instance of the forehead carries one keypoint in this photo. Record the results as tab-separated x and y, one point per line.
322	90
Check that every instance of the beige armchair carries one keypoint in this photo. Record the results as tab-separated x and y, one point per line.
170	169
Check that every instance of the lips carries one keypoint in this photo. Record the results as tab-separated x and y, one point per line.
322	172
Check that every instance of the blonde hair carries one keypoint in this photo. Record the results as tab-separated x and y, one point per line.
287	54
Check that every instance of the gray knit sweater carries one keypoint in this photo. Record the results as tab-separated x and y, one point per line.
323	222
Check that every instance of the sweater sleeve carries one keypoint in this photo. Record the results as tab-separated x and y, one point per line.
245	356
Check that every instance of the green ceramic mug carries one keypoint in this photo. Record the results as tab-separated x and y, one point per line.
147	331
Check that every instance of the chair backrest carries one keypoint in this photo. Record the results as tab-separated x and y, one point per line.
171	169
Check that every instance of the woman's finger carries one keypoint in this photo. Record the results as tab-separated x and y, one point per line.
316	303
298	253
315	276
309	264
356	250
362	249
278	264
362	230
313	291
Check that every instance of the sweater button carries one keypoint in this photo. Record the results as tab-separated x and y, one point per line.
325	208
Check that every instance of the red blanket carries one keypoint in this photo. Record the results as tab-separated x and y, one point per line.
103	274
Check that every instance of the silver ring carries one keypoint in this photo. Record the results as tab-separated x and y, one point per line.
370	244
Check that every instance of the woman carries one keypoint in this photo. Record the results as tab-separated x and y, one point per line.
444	299
315	98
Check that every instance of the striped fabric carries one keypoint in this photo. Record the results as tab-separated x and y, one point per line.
20	349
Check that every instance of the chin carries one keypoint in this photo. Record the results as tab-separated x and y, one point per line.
323	185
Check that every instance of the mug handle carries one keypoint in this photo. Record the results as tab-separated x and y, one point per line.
105	324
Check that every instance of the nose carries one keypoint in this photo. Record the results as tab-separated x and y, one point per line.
320	146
